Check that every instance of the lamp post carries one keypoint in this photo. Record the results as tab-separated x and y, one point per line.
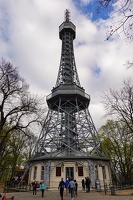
62	166
76	164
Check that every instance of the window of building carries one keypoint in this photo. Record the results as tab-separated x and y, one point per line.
42	172
104	172
96	172
58	171
35	172
80	171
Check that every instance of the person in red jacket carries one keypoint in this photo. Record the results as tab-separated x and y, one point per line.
34	185
5	198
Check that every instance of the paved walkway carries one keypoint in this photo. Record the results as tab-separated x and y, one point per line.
54	195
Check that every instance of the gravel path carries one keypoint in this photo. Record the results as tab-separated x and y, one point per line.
54	195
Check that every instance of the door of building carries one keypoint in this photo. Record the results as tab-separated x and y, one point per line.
69	172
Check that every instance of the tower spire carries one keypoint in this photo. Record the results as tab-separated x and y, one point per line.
67	70
67	15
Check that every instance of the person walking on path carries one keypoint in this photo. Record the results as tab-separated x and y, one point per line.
42	188
61	187
72	188
76	188
34	185
83	185
88	181
67	186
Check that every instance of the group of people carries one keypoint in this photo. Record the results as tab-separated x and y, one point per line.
42	187
71	187
86	184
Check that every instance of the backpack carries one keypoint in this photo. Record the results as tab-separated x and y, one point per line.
72	184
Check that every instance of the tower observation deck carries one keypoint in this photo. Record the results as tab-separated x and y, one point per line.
68	131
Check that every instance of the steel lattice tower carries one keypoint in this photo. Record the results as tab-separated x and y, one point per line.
68	134
68	131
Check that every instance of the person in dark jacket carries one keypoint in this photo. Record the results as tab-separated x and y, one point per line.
76	188
88	182
83	184
61	187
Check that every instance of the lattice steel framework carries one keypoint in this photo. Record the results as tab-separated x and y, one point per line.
68	130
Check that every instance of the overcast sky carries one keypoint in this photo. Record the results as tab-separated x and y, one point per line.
29	38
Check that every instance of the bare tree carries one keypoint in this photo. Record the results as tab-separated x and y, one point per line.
120	103
18	108
124	20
